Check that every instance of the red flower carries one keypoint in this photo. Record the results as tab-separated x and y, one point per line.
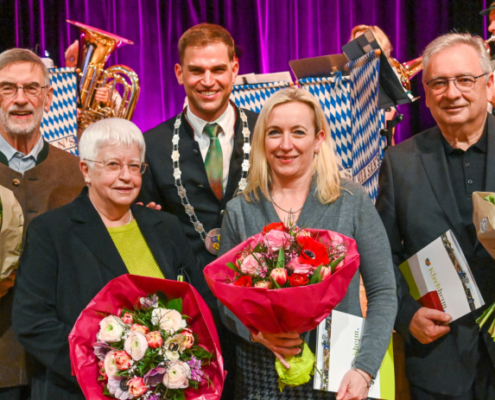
127	319
279	275
312	252
244	281
278	226
298	279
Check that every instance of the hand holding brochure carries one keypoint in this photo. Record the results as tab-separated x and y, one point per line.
439	277
338	341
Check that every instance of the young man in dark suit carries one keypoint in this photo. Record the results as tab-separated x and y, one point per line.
426	184
200	158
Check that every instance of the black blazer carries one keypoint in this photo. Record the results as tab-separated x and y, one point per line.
159	186
416	203
69	257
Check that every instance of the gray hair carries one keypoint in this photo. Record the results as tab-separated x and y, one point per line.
15	56
110	131
454	39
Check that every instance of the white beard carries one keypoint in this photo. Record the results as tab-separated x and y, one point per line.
26	128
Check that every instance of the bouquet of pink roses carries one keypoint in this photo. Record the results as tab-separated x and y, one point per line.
144	347
285	279
288	257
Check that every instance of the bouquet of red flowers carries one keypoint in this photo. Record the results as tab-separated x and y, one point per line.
284	279
287	257
129	343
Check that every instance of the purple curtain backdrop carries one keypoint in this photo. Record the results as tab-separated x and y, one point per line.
271	32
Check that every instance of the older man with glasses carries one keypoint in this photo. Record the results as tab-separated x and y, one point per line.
41	177
426	184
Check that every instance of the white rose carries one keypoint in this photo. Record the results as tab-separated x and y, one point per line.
110	366
136	345
172	355
168	320
111	329
177	376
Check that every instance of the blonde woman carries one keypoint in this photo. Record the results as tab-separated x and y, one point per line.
294	176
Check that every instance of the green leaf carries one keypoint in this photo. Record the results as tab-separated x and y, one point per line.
490	198
258	248
106	392
334	264
175	304
274	283
491	330
281	259
486	314
180	395
200	353
316	278
232	266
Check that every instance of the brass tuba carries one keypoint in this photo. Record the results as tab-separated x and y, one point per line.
94	49
406	71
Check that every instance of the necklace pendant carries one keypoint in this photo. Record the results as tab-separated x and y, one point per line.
212	240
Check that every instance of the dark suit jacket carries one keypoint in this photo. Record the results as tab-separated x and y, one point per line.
416	203
69	257
159	186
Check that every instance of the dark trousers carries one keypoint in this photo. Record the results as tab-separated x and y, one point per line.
483	387
14	393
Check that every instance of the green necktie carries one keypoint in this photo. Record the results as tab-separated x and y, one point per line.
214	160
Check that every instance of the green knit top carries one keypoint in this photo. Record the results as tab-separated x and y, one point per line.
135	251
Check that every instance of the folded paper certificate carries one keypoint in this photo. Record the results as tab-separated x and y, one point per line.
439	277
338	341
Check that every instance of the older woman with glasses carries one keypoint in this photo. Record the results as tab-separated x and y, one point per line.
73	251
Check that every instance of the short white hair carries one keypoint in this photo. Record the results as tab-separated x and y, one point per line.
455	39
110	131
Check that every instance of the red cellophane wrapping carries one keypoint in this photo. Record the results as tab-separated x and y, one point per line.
298	309
124	292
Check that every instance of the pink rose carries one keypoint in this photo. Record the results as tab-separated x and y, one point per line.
279	275
276	240
154	339
249	265
122	360
188	338
140	328
263	284
325	273
300	268
137	387
127	319
101	370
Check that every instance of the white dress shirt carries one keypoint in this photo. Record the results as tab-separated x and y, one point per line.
226	137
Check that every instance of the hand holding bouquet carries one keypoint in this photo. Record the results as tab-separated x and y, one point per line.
149	350
285	279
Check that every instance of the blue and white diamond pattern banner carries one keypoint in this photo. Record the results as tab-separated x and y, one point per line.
367	121
252	97
334	94
59	125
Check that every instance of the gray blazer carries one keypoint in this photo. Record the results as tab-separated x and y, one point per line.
353	215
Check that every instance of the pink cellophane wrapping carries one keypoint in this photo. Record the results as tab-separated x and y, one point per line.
298	309
124	292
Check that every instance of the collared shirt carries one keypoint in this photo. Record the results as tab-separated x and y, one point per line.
18	161
226	136
467	171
